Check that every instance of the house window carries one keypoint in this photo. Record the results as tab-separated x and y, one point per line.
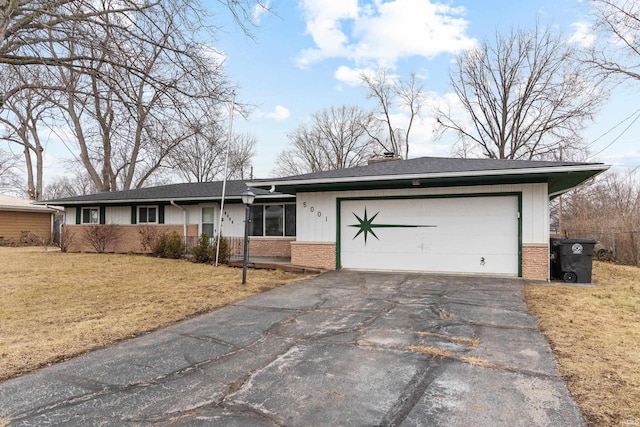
208	215
90	215
147	215
273	220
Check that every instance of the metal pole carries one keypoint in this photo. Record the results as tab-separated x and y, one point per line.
224	179
245	257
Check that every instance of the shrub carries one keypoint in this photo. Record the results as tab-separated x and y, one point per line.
225	250
169	246
149	236
29	238
66	238
101	237
201	252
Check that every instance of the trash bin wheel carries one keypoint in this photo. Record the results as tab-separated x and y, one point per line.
570	277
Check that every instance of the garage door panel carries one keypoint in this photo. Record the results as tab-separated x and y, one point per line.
465	263
466	234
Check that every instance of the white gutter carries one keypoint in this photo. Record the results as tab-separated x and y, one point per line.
427	175
186	199
184	213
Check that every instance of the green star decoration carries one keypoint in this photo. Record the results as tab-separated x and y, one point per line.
366	225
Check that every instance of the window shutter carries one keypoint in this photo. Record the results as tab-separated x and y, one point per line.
161	214
134	216
79	215
103	214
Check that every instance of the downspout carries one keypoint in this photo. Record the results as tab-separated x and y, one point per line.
184	225
53	219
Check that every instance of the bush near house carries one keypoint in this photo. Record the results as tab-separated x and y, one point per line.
102	237
205	250
169	245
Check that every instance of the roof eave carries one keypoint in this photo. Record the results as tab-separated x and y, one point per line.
27	209
279	184
167	200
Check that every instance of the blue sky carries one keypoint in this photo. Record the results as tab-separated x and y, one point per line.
306	54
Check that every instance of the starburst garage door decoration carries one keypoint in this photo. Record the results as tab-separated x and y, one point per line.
365	225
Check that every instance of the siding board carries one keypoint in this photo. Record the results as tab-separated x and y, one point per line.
12	224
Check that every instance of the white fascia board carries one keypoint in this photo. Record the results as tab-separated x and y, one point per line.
373	178
168	200
40	209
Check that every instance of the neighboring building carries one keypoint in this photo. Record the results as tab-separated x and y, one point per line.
187	209
21	220
473	216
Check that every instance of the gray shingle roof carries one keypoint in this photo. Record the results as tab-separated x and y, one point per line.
426	165
177	192
441	172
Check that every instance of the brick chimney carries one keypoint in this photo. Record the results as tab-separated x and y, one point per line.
387	156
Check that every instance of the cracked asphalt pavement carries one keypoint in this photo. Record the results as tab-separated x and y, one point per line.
343	348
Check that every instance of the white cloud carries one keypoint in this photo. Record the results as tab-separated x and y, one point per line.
259	10
279	113
582	35
351	76
216	56
380	32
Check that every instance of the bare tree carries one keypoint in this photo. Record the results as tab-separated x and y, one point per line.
335	138
32	30
523	97
126	124
609	212
22	116
617	20
242	152
390	93
202	156
10	181
76	184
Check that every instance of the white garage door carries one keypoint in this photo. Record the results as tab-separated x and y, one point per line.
452	234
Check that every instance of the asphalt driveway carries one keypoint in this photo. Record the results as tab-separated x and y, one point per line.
343	348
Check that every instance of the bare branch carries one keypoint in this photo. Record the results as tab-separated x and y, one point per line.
524	96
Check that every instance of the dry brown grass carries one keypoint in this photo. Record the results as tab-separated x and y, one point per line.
56	305
595	335
471	342
440	352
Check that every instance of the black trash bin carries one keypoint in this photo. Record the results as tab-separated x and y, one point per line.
572	259
554	254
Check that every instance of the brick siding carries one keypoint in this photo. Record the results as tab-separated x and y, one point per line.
128	237
535	262
270	247
129	240
316	255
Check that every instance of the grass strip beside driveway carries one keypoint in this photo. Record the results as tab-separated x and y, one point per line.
595	335
57	305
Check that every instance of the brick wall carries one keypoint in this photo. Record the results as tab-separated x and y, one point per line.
129	240
317	255
270	247
128	237
535	262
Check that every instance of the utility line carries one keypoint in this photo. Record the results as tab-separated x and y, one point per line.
619	136
613	128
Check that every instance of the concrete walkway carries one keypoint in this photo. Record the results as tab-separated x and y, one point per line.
343	348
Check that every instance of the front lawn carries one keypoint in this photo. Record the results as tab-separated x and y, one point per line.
595	335
56	305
